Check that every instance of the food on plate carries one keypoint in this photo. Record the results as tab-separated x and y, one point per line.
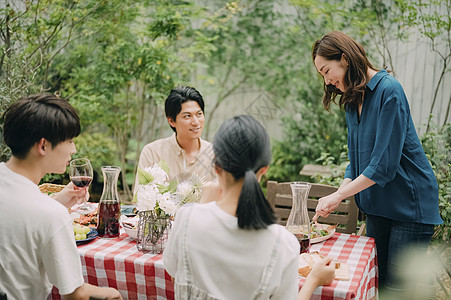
308	260
130	226
87	220
316	230
80	231
319	230
130	223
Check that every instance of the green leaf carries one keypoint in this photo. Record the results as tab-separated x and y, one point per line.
144	177
162	188
162	164
172	187
135	198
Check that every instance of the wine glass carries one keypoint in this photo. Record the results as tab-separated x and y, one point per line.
80	172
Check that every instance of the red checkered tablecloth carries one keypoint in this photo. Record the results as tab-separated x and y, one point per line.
117	263
360	254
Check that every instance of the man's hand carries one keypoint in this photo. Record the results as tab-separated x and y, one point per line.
69	196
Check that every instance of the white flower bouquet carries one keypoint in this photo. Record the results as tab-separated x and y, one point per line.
158	200
156	193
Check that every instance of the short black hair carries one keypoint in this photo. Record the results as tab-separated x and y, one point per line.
39	116
177	97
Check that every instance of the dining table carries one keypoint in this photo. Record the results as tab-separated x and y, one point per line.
137	275
117	263
359	253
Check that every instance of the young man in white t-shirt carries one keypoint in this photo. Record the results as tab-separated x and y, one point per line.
37	245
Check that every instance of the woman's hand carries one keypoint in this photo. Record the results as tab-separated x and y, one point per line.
69	196
326	205
322	273
89	291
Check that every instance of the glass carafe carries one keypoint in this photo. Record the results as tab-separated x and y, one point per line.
298	222
109	206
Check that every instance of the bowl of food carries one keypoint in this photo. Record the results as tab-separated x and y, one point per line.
130	226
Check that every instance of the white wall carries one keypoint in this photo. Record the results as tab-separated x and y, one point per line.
418	69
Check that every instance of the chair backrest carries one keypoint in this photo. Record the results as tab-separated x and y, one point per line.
280	197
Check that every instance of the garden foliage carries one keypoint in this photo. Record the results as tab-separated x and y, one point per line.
116	61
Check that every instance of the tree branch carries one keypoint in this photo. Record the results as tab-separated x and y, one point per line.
27	8
7	40
437	87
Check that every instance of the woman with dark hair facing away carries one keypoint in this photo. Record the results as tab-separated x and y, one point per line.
389	175
231	248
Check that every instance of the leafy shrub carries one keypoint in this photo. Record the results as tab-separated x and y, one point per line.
337	168
100	148
308	135
436	144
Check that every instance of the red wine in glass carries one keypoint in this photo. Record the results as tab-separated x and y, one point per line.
81	181
108	220
302	237
80	172
304	242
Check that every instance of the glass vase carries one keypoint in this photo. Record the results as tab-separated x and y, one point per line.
298	221
153	232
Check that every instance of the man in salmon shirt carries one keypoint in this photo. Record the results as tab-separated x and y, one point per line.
184	151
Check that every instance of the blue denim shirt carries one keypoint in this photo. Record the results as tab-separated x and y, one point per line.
384	146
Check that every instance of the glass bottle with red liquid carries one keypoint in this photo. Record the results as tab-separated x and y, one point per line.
298	221
109	206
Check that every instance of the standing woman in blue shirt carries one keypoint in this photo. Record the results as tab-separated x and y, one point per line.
389	175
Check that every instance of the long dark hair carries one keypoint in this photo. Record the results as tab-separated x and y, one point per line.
242	147
332	46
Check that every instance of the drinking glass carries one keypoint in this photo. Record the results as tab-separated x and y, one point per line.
80	172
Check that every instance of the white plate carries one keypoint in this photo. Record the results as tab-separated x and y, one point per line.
323	238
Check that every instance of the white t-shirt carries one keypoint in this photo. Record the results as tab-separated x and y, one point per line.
228	262
37	245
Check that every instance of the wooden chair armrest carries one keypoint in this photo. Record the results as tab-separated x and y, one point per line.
362	230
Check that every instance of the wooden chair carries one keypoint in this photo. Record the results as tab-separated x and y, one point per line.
280	197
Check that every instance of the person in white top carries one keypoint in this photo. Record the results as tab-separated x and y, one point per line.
37	245
231	248
184	151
